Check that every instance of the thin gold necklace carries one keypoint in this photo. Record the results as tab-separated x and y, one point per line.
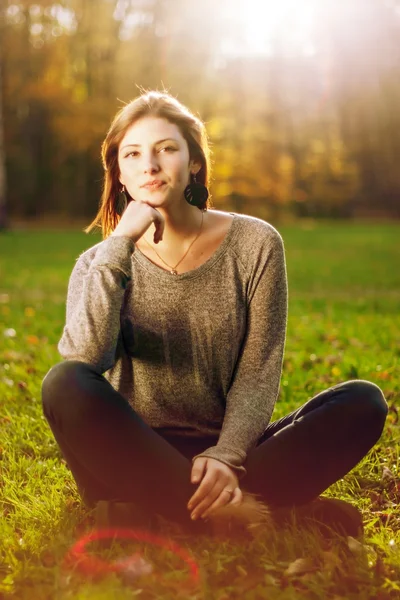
173	269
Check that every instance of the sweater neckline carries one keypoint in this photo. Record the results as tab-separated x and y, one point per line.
167	276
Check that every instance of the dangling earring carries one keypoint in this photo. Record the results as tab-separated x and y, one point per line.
122	202
196	194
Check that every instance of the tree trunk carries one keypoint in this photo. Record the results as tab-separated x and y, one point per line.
3	207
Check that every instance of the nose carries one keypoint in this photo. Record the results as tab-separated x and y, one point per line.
150	163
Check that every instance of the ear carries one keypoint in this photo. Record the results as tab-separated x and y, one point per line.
195	167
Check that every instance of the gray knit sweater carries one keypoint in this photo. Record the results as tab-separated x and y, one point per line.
194	354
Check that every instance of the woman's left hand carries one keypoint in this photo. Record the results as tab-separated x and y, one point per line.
215	477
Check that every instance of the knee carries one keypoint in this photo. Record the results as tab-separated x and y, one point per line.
61	380
372	400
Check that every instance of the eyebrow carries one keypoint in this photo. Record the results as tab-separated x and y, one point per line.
159	142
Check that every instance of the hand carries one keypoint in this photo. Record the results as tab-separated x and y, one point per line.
215	477
137	218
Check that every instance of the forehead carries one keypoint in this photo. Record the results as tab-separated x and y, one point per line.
149	130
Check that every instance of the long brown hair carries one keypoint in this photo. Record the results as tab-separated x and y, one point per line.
150	103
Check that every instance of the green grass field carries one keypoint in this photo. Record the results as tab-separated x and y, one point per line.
344	323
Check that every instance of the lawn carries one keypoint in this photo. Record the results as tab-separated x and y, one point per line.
344	323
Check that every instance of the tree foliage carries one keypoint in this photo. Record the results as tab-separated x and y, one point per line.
309	134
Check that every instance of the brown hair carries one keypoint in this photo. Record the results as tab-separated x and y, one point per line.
150	103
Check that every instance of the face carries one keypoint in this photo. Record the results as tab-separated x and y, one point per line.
154	149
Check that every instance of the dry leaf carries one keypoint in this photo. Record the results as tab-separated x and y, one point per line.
360	549
354	545
300	566
383	375
387	473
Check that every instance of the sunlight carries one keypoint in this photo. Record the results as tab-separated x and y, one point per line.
252	26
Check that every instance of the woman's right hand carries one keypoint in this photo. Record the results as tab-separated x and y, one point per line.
137	218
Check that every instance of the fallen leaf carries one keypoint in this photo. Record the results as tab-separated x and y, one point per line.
360	549
354	545
383	375
387	476
300	566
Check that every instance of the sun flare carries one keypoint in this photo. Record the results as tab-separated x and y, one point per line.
251	26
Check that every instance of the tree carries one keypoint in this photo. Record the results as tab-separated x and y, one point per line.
3	187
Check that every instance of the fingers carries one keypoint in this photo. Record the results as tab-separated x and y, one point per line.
236	500
237	497
215	478
198	469
204	490
215	497
223	499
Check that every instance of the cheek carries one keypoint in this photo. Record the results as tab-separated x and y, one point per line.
182	175
129	174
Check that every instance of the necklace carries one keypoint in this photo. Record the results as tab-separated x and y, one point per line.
173	269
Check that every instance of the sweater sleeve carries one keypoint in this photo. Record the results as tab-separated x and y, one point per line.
255	384
95	294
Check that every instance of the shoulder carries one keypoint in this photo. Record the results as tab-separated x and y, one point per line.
89	254
86	257
257	233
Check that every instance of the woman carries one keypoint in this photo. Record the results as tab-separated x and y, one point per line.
174	343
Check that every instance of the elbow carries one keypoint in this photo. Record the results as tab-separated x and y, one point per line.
100	363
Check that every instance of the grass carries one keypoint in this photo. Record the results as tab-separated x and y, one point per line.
344	323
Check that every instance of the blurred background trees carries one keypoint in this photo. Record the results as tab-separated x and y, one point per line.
300	99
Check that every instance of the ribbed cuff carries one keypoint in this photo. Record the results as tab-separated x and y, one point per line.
229	457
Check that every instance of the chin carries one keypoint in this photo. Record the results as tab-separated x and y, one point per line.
159	200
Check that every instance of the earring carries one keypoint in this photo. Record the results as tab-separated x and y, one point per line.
196	194
122	202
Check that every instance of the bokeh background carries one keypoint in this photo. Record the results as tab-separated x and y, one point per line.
301	99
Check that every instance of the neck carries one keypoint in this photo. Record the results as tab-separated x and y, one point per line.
180	227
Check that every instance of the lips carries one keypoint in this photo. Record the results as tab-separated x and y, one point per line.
154	185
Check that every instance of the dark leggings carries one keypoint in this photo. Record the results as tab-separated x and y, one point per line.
114	455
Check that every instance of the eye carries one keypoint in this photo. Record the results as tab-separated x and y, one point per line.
134	152
168	148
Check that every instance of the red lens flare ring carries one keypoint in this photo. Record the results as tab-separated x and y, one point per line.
90	565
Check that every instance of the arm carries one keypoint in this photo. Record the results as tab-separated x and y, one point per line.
94	299
256	379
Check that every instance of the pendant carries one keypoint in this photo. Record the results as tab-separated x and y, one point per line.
173	272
